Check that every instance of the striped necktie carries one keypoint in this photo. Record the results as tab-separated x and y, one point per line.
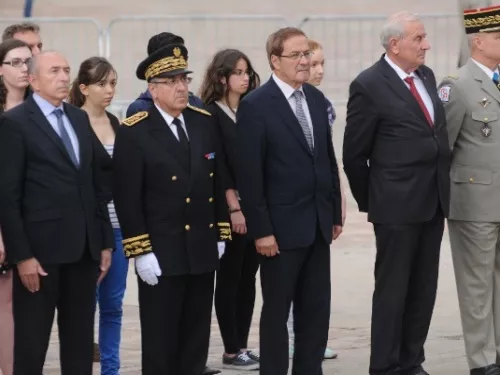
301	116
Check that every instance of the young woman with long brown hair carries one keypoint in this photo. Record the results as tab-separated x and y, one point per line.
228	78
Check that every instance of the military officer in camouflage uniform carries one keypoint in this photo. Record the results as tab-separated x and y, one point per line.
170	202
471	100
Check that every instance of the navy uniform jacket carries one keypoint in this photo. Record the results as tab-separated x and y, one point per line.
178	212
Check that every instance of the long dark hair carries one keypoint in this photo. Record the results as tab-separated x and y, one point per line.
223	65
92	70
5	48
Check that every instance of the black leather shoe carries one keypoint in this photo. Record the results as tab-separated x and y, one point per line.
488	370
210	371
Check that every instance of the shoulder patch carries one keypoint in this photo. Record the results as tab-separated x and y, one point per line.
444	93
199	110
134	119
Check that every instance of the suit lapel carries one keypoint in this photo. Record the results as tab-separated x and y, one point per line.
195	136
399	87
487	84
82	132
284	110
432	91
41	121
166	139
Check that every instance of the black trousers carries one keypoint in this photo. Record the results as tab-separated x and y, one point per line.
301	276
69	288
406	276
176	316
235	292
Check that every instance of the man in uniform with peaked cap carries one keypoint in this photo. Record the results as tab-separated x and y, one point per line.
170	201
144	101
471	100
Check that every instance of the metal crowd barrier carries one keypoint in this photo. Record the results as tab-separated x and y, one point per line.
127	38
76	38
351	44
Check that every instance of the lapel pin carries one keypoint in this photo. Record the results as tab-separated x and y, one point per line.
484	102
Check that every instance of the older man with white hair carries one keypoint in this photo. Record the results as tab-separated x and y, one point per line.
396	158
471	99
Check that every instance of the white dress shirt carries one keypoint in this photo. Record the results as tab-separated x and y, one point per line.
170	122
485	69
288	91
426	98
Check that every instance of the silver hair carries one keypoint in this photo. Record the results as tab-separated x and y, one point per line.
394	27
33	64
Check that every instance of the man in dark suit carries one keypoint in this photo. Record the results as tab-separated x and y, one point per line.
170	202
397	160
54	225
290	194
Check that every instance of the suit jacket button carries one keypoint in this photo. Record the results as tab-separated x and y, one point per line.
210	199
211	174
188	200
211	225
174	178
187	227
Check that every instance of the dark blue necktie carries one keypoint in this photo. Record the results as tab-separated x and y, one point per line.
65	136
495	79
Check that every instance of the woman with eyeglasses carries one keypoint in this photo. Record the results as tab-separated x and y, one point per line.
93	90
229	77
15	56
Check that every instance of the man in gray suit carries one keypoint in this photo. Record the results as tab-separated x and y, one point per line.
464	47
472	104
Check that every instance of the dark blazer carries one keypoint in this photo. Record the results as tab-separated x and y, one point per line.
397	165
286	190
164	204
49	208
105	162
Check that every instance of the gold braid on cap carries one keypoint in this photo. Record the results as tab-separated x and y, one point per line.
166	64
482	20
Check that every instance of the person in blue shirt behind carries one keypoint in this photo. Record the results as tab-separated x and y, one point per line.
144	101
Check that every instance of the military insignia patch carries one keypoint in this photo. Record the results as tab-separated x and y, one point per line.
486	130
134	119
199	110
444	93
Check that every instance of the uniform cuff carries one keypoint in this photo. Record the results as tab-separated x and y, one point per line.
224	231
136	246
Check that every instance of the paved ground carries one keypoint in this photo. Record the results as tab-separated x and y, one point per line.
352	269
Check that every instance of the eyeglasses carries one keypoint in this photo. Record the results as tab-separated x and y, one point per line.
239	73
17	63
298	55
173	82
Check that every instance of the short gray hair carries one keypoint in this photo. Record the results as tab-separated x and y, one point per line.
33	64
394	27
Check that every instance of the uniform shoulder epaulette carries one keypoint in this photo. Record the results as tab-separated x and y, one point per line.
199	110
134	119
452	77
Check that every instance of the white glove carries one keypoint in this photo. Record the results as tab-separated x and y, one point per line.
221	246
148	268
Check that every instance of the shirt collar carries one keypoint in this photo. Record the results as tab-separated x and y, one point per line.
485	69
285	87
167	117
46	107
400	72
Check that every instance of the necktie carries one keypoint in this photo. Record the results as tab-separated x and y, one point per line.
183	140
301	116
63	134
414	91
495	80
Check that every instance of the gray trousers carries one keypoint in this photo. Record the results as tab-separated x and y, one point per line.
476	260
